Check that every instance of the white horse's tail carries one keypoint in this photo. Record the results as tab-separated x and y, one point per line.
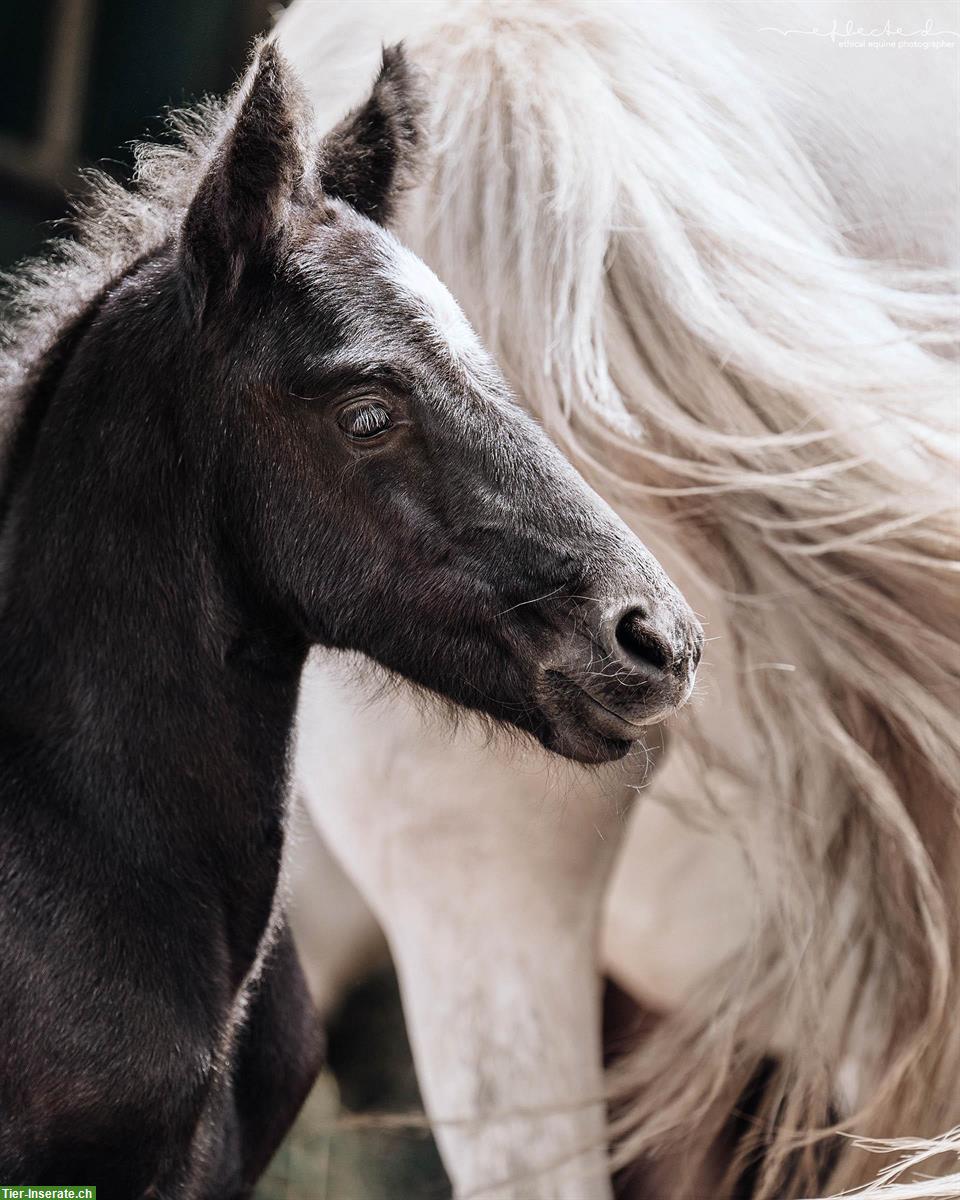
663	273
913	1175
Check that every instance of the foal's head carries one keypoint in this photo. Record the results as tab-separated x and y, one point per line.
377	485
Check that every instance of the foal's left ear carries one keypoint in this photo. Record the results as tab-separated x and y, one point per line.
240	206
372	154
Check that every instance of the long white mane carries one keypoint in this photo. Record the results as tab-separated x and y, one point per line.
658	263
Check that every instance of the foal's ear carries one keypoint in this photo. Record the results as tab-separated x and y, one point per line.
371	155
239	208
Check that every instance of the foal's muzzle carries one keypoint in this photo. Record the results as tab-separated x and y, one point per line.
631	665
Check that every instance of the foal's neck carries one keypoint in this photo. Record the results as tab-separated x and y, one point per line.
154	701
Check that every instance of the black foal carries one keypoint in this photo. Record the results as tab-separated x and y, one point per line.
248	422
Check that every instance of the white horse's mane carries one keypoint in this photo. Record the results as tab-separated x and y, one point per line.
663	273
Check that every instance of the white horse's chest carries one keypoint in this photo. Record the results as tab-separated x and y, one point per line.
378	774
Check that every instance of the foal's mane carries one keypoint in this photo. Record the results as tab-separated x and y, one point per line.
45	299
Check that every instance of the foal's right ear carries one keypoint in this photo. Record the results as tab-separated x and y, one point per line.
243	199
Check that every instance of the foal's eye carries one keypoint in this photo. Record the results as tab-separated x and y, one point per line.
363	421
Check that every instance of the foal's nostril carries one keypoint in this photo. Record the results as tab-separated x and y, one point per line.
640	643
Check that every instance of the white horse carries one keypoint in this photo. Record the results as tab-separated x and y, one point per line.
711	245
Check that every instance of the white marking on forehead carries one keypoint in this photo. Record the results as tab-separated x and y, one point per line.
414	281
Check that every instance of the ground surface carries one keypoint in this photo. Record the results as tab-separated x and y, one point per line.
370	1072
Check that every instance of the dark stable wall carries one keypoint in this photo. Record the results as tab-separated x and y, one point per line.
128	60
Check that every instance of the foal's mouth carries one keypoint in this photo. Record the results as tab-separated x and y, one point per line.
583	727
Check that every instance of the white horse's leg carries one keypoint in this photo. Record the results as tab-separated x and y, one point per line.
496	953
337	935
486	869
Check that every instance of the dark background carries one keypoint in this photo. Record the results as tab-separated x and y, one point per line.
81	79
